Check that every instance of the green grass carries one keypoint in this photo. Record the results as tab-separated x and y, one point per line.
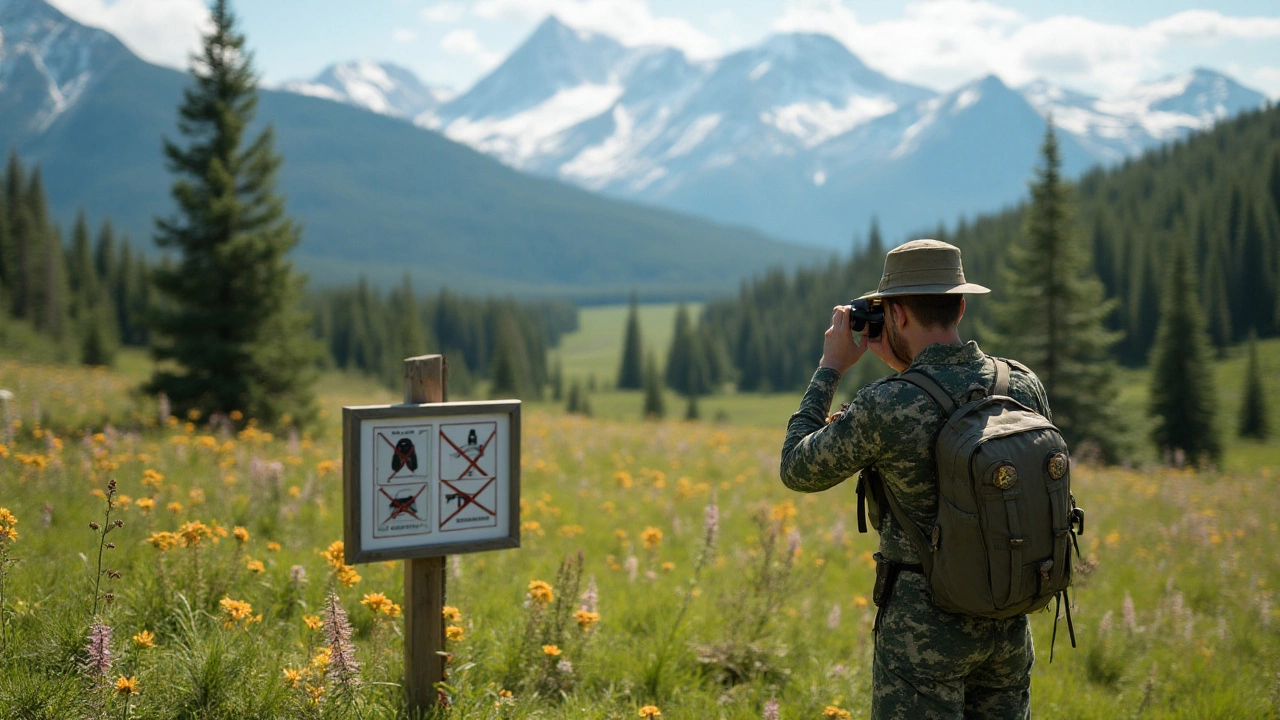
595	348
1193	553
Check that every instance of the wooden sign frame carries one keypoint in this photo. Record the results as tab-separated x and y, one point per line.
353	422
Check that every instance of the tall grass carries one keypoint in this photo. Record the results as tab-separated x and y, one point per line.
618	599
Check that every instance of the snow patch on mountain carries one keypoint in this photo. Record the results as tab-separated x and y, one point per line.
520	137
814	123
380	87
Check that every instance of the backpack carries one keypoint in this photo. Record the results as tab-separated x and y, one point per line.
1006	516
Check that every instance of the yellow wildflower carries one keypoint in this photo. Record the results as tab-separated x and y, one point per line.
126	685
292	677
571	530
313	621
174	507
551	650
146	505
273	546
586	619
197	496
668	566
321	660
237	610
533	527
163	541
254	566
235	415
123	501
241	534
451	613
860	601
347	575
834	712
334	554
144	639
652	537
152	478
325	467
193	532
650	711
379	604
454	633
540	591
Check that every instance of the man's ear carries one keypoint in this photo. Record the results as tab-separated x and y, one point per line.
901	318
961	315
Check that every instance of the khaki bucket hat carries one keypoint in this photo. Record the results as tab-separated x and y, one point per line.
923	267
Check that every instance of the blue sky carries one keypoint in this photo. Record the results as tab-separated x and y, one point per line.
1098	46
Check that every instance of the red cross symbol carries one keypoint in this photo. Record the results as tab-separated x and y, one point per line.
400	506
468	499
472	462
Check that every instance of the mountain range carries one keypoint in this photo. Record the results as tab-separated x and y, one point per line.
795	136
376	195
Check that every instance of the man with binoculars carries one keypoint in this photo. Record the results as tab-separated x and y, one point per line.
929	662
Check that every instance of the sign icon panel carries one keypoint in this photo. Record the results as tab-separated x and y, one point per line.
431	478
467	450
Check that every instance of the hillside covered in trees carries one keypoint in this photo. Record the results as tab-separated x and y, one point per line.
80	301
1219	190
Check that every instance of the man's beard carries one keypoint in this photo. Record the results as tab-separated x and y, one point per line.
897	344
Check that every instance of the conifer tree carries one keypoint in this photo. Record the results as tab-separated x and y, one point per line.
1253	410
1182	394
231	320
1052	312
691	409
631	372
557	380
510	371
654	404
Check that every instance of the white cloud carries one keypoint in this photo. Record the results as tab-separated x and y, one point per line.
1266	79
943	43
165	32
444	12
631	22
467	44
403	36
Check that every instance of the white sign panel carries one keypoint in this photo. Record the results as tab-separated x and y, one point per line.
422	479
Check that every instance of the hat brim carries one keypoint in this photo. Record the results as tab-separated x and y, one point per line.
946	289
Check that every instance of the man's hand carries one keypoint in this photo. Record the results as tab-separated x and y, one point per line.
839	351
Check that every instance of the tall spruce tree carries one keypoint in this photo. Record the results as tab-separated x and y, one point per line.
1053	311
631	372
1182	394
231	321
1253	408
654	404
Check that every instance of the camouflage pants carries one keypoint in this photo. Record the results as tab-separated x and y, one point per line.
935	665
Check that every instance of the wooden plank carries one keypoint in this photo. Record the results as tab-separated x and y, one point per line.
424	578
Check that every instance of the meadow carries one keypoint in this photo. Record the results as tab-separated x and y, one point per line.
662	565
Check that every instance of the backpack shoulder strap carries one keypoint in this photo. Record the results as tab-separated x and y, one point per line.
921	379
1001	386
923	547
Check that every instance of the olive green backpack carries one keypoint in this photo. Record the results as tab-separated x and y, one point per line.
1006	517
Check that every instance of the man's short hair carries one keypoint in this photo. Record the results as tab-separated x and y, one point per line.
931	311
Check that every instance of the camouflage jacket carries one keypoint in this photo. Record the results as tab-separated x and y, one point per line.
891	425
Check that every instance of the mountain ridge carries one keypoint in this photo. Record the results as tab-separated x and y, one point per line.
376	195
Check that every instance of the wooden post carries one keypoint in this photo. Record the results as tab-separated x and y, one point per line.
424	578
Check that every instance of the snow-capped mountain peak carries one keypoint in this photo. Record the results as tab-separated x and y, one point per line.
1150	113
47	60
381	87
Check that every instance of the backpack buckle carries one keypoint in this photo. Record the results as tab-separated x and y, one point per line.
977	389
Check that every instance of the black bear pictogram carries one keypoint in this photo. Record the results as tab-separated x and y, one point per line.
405	454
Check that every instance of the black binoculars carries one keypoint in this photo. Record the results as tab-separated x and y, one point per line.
866	314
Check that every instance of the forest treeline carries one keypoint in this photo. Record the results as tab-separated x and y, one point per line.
80	301
1218	190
